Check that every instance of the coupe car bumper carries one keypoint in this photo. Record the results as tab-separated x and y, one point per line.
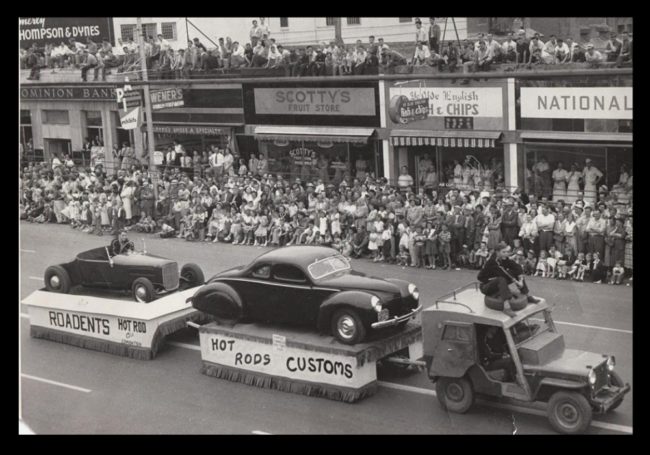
396	319
607	397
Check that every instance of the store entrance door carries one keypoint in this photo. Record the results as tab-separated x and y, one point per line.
57	147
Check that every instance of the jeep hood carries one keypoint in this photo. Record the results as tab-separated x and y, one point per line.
571	362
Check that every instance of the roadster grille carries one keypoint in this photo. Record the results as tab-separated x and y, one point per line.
170	276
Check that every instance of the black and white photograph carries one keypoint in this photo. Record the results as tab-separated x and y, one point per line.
325	225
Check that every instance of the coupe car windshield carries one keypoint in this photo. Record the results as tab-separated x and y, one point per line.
328	266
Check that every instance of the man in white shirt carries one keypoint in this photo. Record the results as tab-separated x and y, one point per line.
255	34
237	57
163	43
509	49
593	57
420	33
404	180
493	46
545	222
536	44
549	48
218	163
264	30
562	52
422	55
118	50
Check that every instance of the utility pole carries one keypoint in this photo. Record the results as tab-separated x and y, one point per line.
147	108
337	31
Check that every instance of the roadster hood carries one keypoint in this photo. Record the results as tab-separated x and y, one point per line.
141	260
361	282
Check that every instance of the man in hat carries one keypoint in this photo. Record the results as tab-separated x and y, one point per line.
545	222
502	278
593	57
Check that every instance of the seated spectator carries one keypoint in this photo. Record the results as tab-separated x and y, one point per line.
562	52
391	59
523	50
494	48
509	50
237	57
468	56
484	58
535	48
450	57
260	53
210	62
549	50
91	62
613	48
166	60
593	57
422	55
360	62
274	57
317	66
248	54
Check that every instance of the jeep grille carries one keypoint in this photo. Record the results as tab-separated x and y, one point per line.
601	376
170	276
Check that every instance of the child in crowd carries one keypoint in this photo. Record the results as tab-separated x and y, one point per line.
519	258
577	271
387	239
561	268
418	246
403	258
463	256
346	245
431	246
337	244
261	232
481	255
542	265
531	262
445	240
617	273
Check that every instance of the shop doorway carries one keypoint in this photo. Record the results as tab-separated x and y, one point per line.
57	147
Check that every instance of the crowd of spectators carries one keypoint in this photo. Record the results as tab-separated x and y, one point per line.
373	57
449	228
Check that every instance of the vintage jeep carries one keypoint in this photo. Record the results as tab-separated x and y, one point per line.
472	350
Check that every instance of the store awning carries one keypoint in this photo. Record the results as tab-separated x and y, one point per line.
576	136
452	138
313	134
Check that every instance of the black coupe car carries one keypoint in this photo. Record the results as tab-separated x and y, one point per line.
147	276
309	285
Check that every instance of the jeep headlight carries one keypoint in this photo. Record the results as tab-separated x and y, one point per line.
592	377
413	290
611	362
376	303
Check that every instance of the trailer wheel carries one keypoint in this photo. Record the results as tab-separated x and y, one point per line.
455	394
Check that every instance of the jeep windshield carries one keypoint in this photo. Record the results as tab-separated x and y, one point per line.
530	327
328	266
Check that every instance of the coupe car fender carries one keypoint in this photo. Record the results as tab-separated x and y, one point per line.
218	299
358	300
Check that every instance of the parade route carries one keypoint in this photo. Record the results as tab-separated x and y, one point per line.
69	390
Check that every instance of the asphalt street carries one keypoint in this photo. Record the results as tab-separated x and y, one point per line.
69	390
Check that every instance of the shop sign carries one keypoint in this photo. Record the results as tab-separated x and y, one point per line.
131	120
165	98
409	110
68	93
303	156
190	130
53	30
315	101
127	97
158	158
577	102
446	102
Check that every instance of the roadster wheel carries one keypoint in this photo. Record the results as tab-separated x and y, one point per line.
57	279
347	327
143	290
455	394
192	276
569	412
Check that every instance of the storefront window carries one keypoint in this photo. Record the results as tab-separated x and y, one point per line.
94	128
191	142
540	160
55	117
331	162
26	130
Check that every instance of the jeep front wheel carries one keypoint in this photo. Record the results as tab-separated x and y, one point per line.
455	394
569	412
347	327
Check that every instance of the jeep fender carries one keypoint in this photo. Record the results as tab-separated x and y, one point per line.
219	300
548	386
354	299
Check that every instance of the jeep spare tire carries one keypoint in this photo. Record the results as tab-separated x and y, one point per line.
57	279
143	290
192	276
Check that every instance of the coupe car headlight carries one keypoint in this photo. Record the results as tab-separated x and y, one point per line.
611	362
413	290
592	377
376	303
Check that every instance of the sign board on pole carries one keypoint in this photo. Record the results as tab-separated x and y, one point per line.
164	98
131	120
158	158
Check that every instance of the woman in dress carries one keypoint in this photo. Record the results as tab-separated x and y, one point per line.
570	233
458	175
574	176
494	228
127	200
560	178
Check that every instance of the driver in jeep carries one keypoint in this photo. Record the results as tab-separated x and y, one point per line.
502	279
496	355
122	245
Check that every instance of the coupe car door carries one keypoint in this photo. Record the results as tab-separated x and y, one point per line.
256	292
292	295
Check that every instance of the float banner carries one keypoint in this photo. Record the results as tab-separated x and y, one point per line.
109	325
445	102
165	98
299	360
315	101
577	102
53	30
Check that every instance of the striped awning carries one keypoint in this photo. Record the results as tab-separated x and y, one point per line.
455	138
313	134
